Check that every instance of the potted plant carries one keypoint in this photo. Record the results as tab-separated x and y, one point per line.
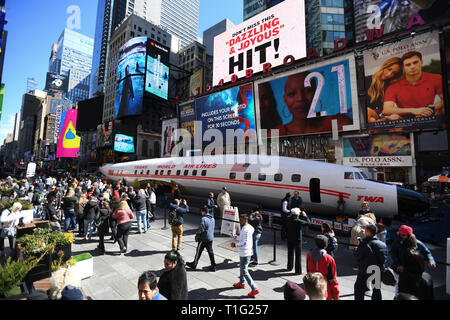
63	243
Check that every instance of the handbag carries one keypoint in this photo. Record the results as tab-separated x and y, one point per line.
387	274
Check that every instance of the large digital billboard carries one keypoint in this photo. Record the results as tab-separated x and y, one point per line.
375	18
187	118
56	82
123	143
132	58
68	142
129	96
157	72
228	109
268	37
404	85
306	100
168	136
384	150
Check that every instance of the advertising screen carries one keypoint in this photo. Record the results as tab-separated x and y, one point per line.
265	38
196	83
187	118
68	142
306	100
123	143
157	73
129	96
378	150
132	58
229	109
56	82
387	16
168	136
404	85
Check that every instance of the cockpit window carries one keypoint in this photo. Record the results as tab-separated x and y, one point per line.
349	175
358	176
364	175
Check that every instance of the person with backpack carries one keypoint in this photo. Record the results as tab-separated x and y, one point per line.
37	200
328	232
318	260
255	219
177	210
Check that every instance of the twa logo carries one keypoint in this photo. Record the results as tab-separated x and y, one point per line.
371	199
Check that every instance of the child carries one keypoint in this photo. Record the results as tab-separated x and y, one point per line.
332	241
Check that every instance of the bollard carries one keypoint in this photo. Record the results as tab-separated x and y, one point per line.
165	219
274	262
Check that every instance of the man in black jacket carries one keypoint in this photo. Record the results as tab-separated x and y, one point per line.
255	220
52	215
140	206
370	252
294	226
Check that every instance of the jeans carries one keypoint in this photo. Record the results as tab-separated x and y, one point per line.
88	227
122	234
70	217
37	211
11	245
244	275
256	237
141	217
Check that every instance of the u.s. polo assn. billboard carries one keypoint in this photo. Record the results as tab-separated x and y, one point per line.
263	41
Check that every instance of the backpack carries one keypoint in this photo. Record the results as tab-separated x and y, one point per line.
172	217
332	243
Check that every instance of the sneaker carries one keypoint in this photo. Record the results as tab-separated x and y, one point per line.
239	285
253	293
212	268
253	264
124	250
191	265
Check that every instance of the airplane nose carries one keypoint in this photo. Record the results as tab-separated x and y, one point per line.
411	202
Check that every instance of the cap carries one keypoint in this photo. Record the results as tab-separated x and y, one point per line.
72	293
405	230
224	188
321	241
293	291
372	227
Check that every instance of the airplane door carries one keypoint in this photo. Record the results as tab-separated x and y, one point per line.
314	190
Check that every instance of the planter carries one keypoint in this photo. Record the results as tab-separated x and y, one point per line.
84	266
41	271
66	249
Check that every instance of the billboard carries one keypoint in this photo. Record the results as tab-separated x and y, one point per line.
228	109
168	136
90	113
68	143
187	118
132	58
123	143
375	18
157	71
268	37
56	82
385	150
306	100
196	83
403	81
129	97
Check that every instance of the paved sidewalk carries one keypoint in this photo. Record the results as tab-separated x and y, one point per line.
115	275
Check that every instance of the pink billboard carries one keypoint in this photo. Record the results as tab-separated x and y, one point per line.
68	142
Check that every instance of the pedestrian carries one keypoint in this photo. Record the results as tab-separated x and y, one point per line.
9	220
244	245
89	213
176	193
370	252
296	201
115	203
223	199
365	209
332	241
79	210
318	260
152	203
69	201
102	224
315	286
205	240
37	200
173	282
255	219
211	204
285	212
181	208
294	225
52	215
148	287
140	207
123	214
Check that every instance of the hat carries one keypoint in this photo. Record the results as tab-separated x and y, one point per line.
295	211
224	188
372	227
244	215
72	293
405	230
321	241
293	291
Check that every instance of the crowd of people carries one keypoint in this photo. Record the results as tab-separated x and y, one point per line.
89	206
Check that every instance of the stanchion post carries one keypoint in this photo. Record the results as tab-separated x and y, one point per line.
274	262
165	217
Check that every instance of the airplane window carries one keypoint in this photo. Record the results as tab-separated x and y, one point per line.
358	175
348	175
186	172
203	173
261	177
232	175
142	171
278	177
194	172
247	176
178	172
135	171
148	172
364	175
296	178
161	172
156	172
169	172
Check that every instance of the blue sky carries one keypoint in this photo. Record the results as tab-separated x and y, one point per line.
34	25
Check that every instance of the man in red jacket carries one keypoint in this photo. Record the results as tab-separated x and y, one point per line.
318	260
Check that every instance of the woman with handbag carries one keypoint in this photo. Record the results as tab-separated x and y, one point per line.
123	214
9	219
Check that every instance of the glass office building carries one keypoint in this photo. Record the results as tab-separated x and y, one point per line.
253	7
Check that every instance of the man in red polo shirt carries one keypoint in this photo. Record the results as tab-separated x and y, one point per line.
415	93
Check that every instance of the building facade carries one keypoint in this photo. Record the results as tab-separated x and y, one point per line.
253	7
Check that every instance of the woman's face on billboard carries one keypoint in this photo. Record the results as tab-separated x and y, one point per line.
297	97
390	72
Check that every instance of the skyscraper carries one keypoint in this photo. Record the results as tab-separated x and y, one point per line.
32	84
180	18
253	7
